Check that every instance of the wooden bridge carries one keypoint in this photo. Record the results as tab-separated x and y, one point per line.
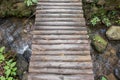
61	49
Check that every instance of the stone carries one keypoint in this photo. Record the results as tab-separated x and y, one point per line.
113	33
111	76
99	43
111	55
22	65
15	8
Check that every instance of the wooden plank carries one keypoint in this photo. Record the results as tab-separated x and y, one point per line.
60	41
61	77
59	1
60	71
60	15
60	19
63	58
60	4
52	64
55	23
60	28
49	37
59	7
58	32
61	47
62	11
82	52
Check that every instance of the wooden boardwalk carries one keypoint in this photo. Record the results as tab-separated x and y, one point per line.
61	49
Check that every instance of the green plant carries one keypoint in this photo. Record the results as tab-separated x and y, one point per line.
2	58
95	20
118	21
106	21
103	78
30	2
9	66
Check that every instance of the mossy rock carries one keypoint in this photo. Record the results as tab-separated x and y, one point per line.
17	9
99	43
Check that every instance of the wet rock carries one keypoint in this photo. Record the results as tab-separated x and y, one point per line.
14	39
99	43
111	77
113	33
117	73
27	55
22	65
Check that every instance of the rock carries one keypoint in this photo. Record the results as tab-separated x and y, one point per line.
117	73
15	8
22	65
27	55
99	43
111	55
111	77
101	2
113	33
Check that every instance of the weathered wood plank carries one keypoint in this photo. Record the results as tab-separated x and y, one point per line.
61	77
62	52
61	47
63	58
60	41
70	37
52	64
61	71
58	32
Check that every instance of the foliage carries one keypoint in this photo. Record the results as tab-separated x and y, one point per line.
9	67
106	21
30	2
95	20
118	21
103	78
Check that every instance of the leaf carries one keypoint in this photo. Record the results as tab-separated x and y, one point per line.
2	78
13	73
13	64
6	67
103	78
8	72
10	78
11	60
2	49
14	69
2	58
34	1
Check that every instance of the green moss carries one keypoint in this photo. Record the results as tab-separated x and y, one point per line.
99	39
99	43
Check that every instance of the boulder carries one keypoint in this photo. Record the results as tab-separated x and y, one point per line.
113	33
99	43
